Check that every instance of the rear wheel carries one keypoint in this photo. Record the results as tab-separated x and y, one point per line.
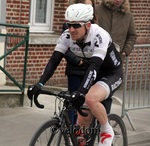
49	134
120	137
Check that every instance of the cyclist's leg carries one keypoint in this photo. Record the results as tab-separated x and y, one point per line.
96	94
107	104
103	89
81	134
85	121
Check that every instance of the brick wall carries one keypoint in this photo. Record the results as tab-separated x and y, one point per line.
60	6
141	13
18	13
37	58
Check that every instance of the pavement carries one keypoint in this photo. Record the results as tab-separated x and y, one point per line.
17	125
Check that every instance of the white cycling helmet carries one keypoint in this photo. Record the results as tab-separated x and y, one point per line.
79	12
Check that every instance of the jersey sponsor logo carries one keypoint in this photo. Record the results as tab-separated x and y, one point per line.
64	35
113	57
94	75
98	40
67	36
88	52
91	77
116	84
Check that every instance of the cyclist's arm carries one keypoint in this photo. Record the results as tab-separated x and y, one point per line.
60	50
51	66
102	42
90	74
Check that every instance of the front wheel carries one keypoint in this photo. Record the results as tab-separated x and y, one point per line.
120	137
49	134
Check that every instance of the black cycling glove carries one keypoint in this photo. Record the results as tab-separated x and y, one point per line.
77	99
33	89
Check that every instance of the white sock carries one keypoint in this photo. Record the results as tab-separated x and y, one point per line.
106	128
106	136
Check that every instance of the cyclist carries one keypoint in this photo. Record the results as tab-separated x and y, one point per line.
104	74
76	66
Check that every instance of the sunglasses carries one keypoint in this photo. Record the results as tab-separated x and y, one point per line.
75	25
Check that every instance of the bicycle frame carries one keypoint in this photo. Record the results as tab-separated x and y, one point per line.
65	125
69	129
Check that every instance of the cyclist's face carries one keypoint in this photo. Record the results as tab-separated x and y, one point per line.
77	29
118	3
88	2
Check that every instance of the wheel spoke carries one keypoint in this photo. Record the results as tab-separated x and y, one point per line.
49	135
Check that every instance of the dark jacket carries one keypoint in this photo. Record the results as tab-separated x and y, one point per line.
119	23
73	67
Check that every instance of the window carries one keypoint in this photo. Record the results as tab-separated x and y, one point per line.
0	11
41	14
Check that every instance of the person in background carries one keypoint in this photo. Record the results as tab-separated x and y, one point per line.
116	18
104	74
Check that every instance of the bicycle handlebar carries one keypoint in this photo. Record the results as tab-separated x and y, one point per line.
62	94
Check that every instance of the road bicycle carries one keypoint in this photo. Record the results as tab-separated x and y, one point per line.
58	131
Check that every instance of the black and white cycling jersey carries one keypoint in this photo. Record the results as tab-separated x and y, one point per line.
96	43
96	46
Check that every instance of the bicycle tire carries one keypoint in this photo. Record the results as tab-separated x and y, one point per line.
47	135
120	137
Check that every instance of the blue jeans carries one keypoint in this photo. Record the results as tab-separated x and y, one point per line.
74	82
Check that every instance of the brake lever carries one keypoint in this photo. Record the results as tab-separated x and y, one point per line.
37	102
31	102
82	113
